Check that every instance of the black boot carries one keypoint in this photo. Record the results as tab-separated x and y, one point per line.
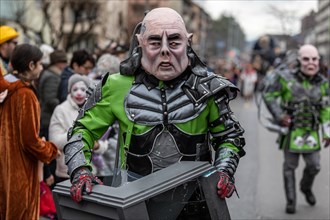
306	184
309	196
290	208
290	191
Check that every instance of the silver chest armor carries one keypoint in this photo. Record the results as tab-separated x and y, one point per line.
161	107
305	104
165	151
157	106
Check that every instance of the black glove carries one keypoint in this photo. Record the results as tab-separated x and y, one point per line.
82	181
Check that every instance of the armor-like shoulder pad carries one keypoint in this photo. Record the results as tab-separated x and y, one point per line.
286	74
272	81
74	155
198	88
94	94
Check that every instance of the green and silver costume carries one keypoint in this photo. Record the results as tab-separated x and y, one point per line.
307	102
160	122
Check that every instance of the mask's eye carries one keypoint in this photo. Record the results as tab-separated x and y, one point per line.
307	59
155	43
174	44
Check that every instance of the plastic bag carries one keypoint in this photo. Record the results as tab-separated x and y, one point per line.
47	205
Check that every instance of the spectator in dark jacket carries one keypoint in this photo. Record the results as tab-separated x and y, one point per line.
47	89
81	63
48	86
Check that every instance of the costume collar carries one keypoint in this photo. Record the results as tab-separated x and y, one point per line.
151	81
313	79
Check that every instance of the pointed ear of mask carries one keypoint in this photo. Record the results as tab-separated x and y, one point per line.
133	62
197	66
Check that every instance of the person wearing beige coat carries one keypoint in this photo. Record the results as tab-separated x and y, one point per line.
62	119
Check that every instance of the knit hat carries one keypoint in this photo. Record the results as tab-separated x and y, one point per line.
76	78
58	56
7	33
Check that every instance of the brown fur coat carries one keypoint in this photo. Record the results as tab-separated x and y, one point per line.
20	149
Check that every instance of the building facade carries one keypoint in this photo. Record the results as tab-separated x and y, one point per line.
96	24
322	30
307	29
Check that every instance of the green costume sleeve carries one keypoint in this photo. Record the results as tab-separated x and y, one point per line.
95	121
274	95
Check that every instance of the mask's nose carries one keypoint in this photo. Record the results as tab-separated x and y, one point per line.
165	50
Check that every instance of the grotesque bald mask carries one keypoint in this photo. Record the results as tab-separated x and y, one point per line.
309	60
163	40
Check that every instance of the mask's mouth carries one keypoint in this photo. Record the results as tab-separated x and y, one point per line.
165	64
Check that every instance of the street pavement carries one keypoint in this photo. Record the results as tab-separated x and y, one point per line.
259	179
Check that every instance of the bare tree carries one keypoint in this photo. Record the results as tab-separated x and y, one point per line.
285	17
20	10
79	18
84	20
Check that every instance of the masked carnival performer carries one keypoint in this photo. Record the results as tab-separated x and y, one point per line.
299	100
167	105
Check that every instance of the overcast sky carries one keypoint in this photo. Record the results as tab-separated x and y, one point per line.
254	16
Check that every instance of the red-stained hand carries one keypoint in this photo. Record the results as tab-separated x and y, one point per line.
82	182
225	186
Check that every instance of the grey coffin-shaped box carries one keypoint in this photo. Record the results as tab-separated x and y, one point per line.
160	195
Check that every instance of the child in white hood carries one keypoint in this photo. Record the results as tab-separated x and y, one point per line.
62	119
